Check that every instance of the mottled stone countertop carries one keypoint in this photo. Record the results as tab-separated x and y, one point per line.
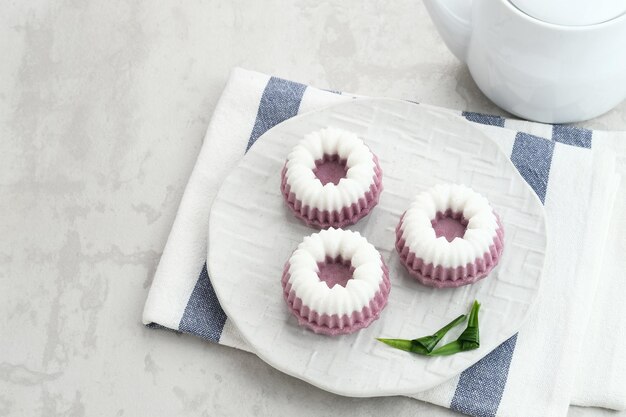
103	107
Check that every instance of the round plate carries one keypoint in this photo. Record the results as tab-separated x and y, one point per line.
252	233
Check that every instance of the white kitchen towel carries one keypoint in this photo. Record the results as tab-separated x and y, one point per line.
602	368
532	373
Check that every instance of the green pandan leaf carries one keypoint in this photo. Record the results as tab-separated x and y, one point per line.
468	340
423	345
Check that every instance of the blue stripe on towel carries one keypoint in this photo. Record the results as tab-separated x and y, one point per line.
279	102
203	316
532	156
480	387
484	119
572	135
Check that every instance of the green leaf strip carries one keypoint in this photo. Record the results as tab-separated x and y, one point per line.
423	345
468	340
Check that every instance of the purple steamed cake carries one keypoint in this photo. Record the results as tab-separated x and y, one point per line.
449	237
331	179
317	291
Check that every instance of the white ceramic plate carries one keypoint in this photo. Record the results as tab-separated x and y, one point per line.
252	234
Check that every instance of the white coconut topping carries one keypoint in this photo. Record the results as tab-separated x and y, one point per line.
359	290
330	141
419	234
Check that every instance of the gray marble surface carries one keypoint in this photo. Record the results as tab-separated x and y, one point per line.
103	106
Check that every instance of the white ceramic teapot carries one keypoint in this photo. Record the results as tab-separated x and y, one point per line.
552	61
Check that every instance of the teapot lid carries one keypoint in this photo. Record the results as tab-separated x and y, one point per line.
572	12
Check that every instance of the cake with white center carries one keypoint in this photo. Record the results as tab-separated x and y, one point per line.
450	236
331	179
335	282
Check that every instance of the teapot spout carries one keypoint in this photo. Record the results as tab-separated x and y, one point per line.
453	21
